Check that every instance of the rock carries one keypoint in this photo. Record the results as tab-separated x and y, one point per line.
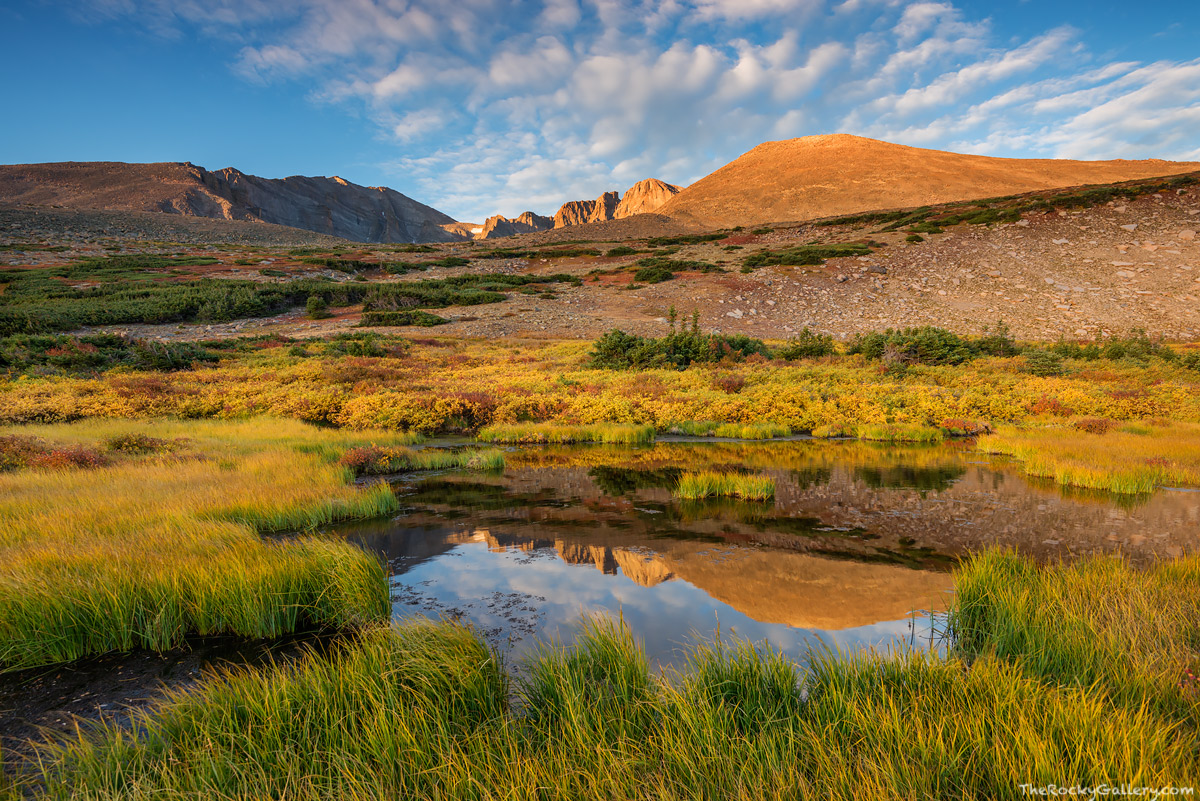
1061	241
841	279
1124	274
574	212
527	223
735	314
644	197
994	273
1187	235
1130	227
878	269
1022	223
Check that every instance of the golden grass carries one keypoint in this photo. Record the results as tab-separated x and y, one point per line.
711	484
148	550
1131	459
552	433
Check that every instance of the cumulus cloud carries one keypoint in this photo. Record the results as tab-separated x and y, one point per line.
503	105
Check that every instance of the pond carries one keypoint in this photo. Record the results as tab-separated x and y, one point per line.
855	550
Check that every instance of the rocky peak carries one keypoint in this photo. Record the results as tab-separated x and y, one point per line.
644	197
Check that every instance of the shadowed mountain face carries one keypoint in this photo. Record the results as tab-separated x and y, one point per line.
330	206
823	176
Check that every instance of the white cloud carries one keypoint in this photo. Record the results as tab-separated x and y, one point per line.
503	106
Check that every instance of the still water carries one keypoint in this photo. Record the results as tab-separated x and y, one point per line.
855	551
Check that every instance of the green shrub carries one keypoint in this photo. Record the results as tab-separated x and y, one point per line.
316	307
924	345
807	345
1044	363
914	238
409	317
618	350
653	275
805	254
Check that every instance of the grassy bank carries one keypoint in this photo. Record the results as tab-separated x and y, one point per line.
1133	458
1062	676
551	433
145	545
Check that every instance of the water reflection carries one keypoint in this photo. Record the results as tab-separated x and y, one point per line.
856	539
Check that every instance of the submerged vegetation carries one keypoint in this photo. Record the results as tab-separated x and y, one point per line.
1066	675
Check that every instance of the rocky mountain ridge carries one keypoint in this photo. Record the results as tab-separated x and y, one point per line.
331	206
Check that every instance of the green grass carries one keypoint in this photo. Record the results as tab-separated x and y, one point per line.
1127	635
712	484
423	710
533	433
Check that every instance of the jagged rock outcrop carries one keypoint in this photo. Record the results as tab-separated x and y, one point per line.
645	197
574	212
641	198
527	223
331	206
605	207
537	222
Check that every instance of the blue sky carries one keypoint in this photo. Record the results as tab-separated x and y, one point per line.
480	107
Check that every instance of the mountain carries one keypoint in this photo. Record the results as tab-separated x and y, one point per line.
641	198
330	206
822	176
645	197
527	223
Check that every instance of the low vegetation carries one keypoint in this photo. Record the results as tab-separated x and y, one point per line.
126	289
804	255
713	484
396	318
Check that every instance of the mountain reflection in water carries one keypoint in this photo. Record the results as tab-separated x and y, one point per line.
854	551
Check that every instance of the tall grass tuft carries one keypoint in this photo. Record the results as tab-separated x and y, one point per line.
419	710
1129	634
711	484
552	433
